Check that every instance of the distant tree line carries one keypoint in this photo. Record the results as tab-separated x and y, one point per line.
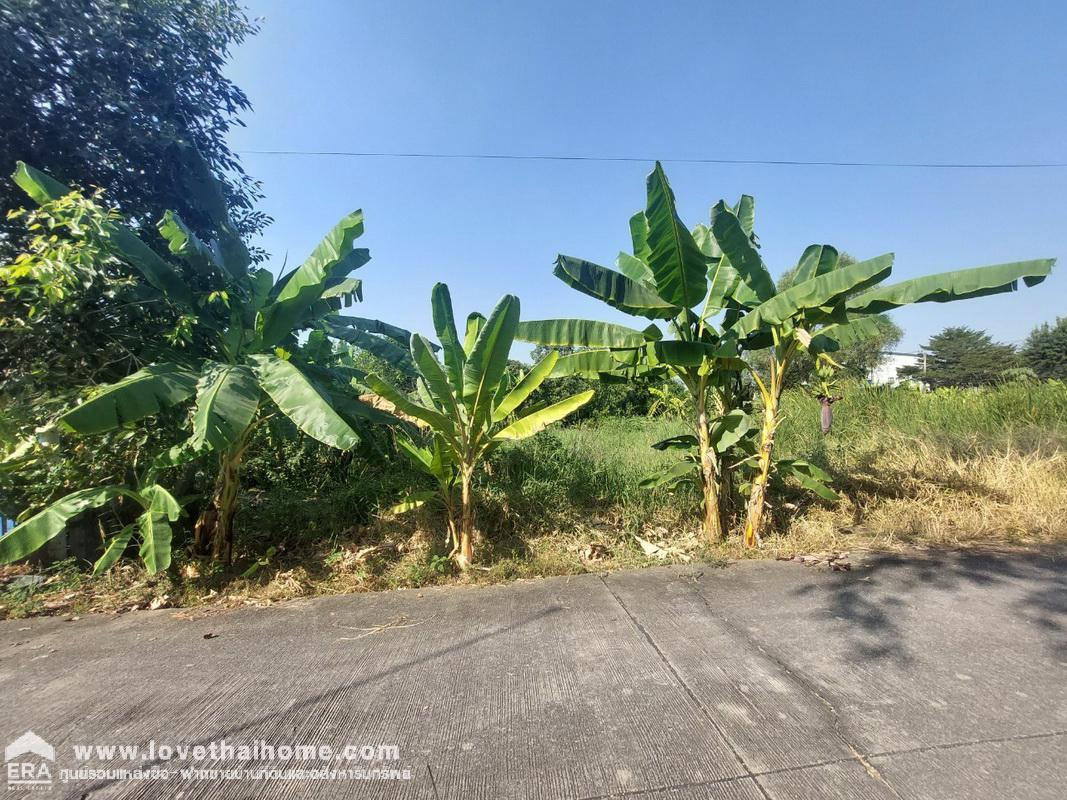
964	357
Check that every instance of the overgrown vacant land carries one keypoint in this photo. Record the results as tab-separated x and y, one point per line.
941	469
950	467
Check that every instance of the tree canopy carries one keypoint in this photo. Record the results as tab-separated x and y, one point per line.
123	96
130	97
1045	350
962	357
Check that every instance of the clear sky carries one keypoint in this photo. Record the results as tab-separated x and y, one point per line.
860	81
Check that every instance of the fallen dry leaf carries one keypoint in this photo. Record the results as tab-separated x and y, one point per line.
594	551
660	551
836	561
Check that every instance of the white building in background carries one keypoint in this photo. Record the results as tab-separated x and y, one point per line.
887	371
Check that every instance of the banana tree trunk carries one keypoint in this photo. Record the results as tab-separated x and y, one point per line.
464	554
451	520
213	532
757	500
709	475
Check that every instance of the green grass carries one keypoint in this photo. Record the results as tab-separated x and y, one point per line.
596	467
589	475
945	468
586	468
1019	415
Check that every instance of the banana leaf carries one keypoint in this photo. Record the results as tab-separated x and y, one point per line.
633	268
334	257
685	441
819	291
676	472
578	333
475	323
537	421
817	259
525	387
384	348
434	376
413	501
116	546
156	536
488	359
738	247
745	211
729	429
438	421
807	475
679	268
142	394
185	244
948	286
300	400
44	526
639	238
444	324
398	335
613	288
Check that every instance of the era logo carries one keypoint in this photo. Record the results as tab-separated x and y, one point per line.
22	769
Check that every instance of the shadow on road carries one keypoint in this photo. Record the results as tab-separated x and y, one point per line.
871	600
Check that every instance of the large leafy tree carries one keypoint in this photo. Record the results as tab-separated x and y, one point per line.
963	357
72	314
468	407
127	96
1045	350
251	365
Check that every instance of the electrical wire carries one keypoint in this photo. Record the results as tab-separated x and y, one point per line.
634	159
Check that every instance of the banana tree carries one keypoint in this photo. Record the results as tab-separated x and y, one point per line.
682	278
158	509
468	407
828	306
250	365
740	311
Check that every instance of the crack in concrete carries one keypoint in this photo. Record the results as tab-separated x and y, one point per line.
809	687
433	783
870	769
929	748
817	764
670	788
685	686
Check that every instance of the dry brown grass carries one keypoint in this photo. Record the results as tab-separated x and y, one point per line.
913	494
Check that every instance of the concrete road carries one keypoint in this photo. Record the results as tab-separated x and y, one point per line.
904	678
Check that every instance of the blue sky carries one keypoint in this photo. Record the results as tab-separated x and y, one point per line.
901	81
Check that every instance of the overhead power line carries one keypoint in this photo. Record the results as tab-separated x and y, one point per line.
734	161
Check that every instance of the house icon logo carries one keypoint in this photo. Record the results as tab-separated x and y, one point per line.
26	762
